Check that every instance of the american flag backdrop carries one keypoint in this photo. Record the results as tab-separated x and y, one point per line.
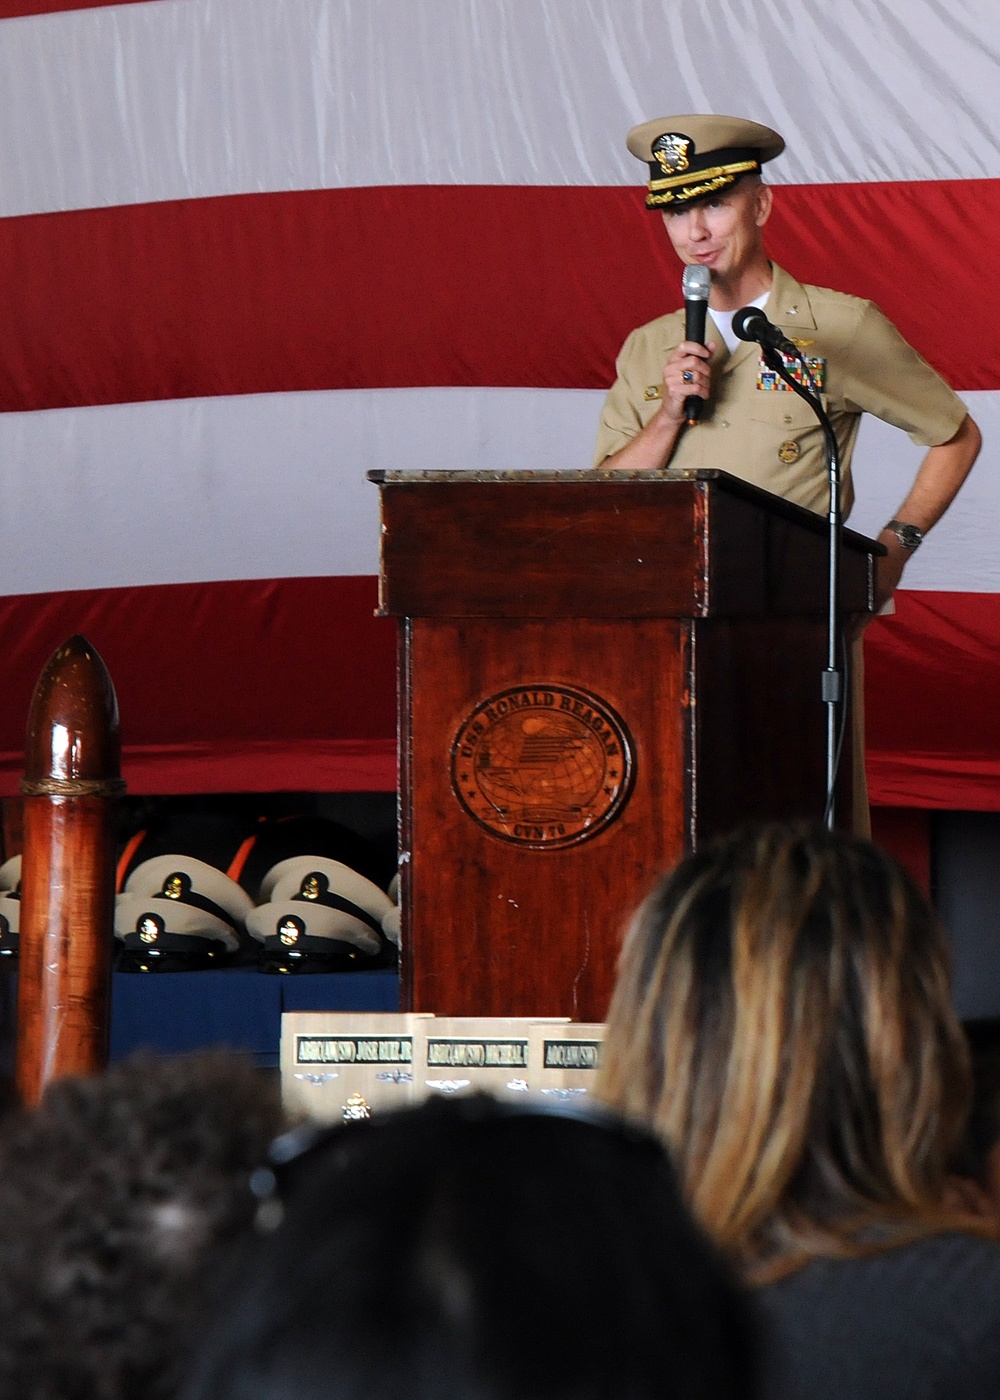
251	249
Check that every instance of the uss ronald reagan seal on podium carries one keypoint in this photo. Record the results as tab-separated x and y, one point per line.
542	765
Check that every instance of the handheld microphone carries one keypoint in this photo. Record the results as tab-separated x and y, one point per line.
750	323
696	284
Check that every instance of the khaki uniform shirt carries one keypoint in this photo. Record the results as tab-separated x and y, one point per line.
754	426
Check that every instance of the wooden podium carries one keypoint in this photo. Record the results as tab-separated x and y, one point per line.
597	671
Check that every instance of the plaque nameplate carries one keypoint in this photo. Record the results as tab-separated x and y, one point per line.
357	1049
477	1054
571	1054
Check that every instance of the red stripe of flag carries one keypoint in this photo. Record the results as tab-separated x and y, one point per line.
245	685
431	285
270	705
930	702
15	9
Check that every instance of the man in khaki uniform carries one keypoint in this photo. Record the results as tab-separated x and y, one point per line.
705	180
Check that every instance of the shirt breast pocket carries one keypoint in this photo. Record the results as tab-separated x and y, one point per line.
785	435
781	408
783	411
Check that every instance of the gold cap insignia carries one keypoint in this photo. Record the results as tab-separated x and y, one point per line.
310	887
672	152
149	928
789	451
173	886
289	930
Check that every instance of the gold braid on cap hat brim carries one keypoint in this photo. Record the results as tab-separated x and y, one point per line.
715	178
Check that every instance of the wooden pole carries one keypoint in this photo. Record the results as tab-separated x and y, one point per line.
71	786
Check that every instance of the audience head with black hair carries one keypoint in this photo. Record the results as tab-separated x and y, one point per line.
114	1193
473	1250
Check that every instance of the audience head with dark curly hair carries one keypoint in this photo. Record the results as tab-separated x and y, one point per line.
114	1193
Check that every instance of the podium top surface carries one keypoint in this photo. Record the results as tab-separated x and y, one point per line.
588	543
666	478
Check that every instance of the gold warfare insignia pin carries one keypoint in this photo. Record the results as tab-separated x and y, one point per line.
789	451
672	152
356	1108
801	344
652	392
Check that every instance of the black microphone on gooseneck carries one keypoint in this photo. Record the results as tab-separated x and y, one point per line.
696	284
750	323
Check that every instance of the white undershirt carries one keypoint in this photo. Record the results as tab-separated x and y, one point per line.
724	321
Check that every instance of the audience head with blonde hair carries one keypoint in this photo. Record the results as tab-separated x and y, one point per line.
783	1019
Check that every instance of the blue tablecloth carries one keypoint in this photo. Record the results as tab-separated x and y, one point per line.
176	1011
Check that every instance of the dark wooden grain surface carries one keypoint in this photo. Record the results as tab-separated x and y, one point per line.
505	930
67	876
589	546
694	608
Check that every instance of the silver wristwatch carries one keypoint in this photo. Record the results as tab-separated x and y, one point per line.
909	536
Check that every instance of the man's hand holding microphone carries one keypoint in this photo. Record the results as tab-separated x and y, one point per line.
687	383
687	376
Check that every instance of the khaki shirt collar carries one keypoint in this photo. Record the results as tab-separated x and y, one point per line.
787	306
